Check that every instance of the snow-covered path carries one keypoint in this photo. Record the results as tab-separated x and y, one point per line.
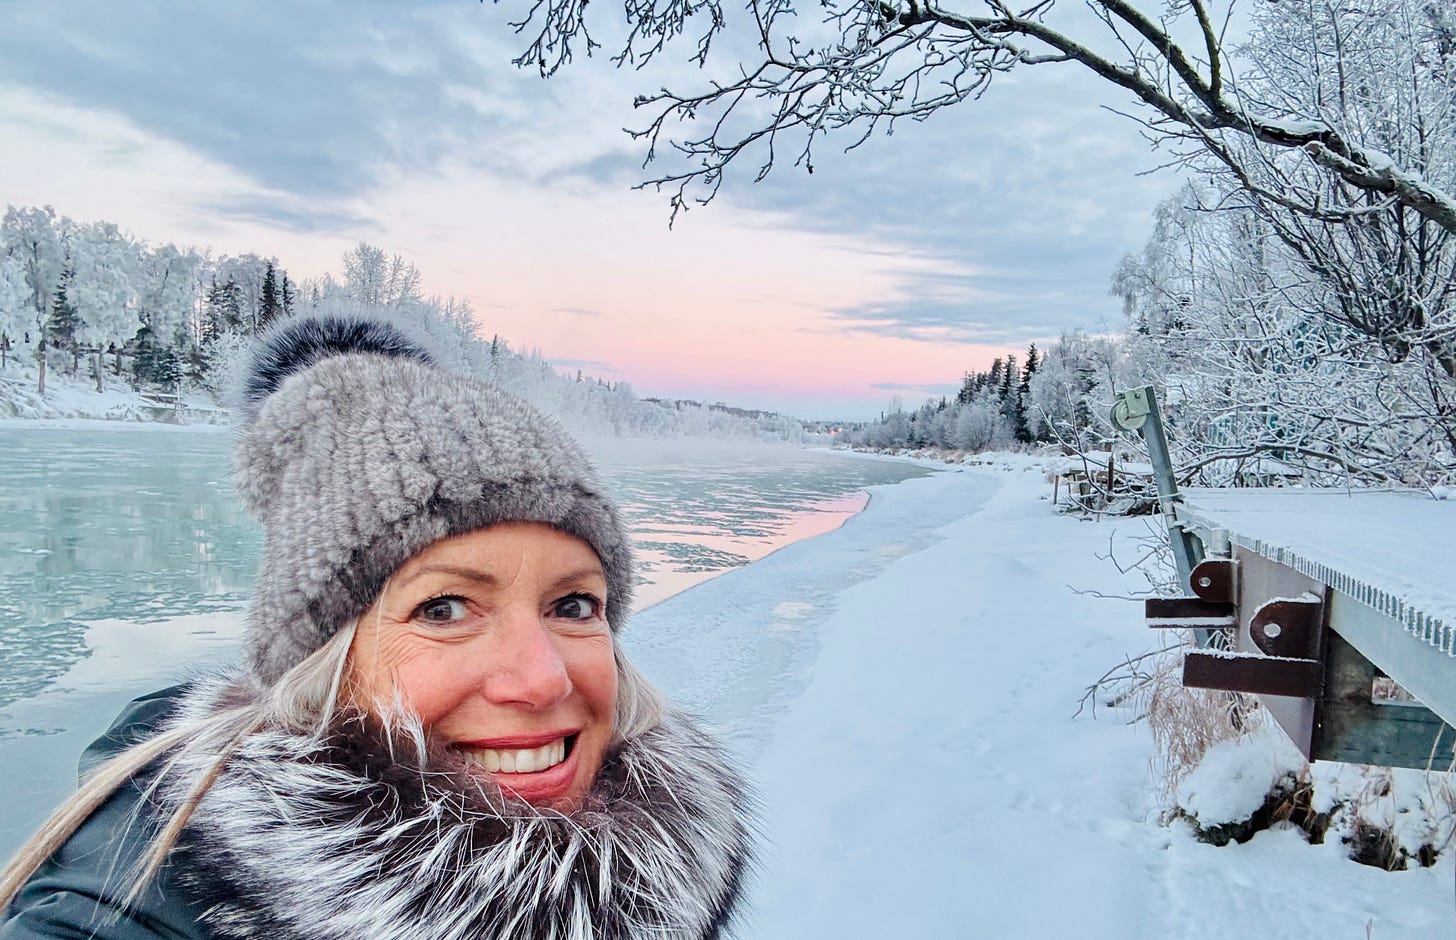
904	691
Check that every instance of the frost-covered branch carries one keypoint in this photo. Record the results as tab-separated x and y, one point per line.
866	64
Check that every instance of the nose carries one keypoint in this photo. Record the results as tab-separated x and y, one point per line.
527	669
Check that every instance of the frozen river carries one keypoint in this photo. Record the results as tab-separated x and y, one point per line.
126	562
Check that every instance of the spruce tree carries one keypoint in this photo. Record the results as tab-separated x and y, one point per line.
1009	375
1033	362
145	357
287	296
192	361
968	388
62	324
271	307
1011	407
223	311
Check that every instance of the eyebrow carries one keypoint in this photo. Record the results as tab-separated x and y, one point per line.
490	580
580	574
468	574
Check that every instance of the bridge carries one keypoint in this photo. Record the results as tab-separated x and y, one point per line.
1336	608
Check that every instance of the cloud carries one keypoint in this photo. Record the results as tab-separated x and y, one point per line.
1030	196
931	389
287	214
592	365
297	129
322	99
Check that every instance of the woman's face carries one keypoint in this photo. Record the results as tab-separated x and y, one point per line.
498	640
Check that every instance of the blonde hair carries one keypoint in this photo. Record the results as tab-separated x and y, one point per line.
304	700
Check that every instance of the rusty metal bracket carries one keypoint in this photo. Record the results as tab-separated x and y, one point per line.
1251	672
1177	613
1215	580
1277	648
1277	652
1288	627
1212	607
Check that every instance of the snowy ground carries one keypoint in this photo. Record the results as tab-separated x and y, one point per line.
75	397
919	765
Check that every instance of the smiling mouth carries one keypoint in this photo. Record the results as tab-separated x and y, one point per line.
520	760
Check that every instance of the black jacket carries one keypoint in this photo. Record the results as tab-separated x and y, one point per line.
77	893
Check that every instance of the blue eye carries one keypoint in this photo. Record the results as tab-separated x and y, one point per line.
442	610
577	607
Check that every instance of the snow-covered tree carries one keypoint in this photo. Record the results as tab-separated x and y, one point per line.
102	291
15	313
172	331
270	306
375	279
1258	376
35	237
62	325
1073	387
855	67
222	311
247	273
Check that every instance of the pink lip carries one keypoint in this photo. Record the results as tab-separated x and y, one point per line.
541	786
520	742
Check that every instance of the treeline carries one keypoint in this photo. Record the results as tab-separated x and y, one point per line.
88	298
150	317
1007	405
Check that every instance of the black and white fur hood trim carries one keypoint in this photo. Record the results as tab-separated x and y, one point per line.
364	834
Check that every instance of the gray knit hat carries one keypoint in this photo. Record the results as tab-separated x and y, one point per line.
357	451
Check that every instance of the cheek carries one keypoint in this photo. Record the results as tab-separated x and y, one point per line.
431	685
418	675
593	671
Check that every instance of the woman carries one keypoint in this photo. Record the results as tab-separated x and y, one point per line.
435	734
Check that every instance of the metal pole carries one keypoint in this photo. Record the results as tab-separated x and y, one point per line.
1137	410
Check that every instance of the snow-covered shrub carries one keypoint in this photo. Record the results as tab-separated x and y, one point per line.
1388	817
1240	785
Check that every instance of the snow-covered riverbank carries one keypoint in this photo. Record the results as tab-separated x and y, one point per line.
919	764
74	398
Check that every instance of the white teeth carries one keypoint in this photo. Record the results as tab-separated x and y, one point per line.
533	760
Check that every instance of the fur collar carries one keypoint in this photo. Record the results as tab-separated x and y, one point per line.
357	836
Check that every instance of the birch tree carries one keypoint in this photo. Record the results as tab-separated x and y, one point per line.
168	289
857	67
102	289
14	312
1259	376
375	279
35	238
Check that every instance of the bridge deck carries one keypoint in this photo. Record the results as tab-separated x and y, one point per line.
1390	555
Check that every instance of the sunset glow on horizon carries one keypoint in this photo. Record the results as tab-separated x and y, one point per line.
821	297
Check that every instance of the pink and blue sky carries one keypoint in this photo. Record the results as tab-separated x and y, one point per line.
299	129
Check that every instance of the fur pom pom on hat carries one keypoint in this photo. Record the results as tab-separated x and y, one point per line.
358	451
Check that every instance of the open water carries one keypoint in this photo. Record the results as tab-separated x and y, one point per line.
126	564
